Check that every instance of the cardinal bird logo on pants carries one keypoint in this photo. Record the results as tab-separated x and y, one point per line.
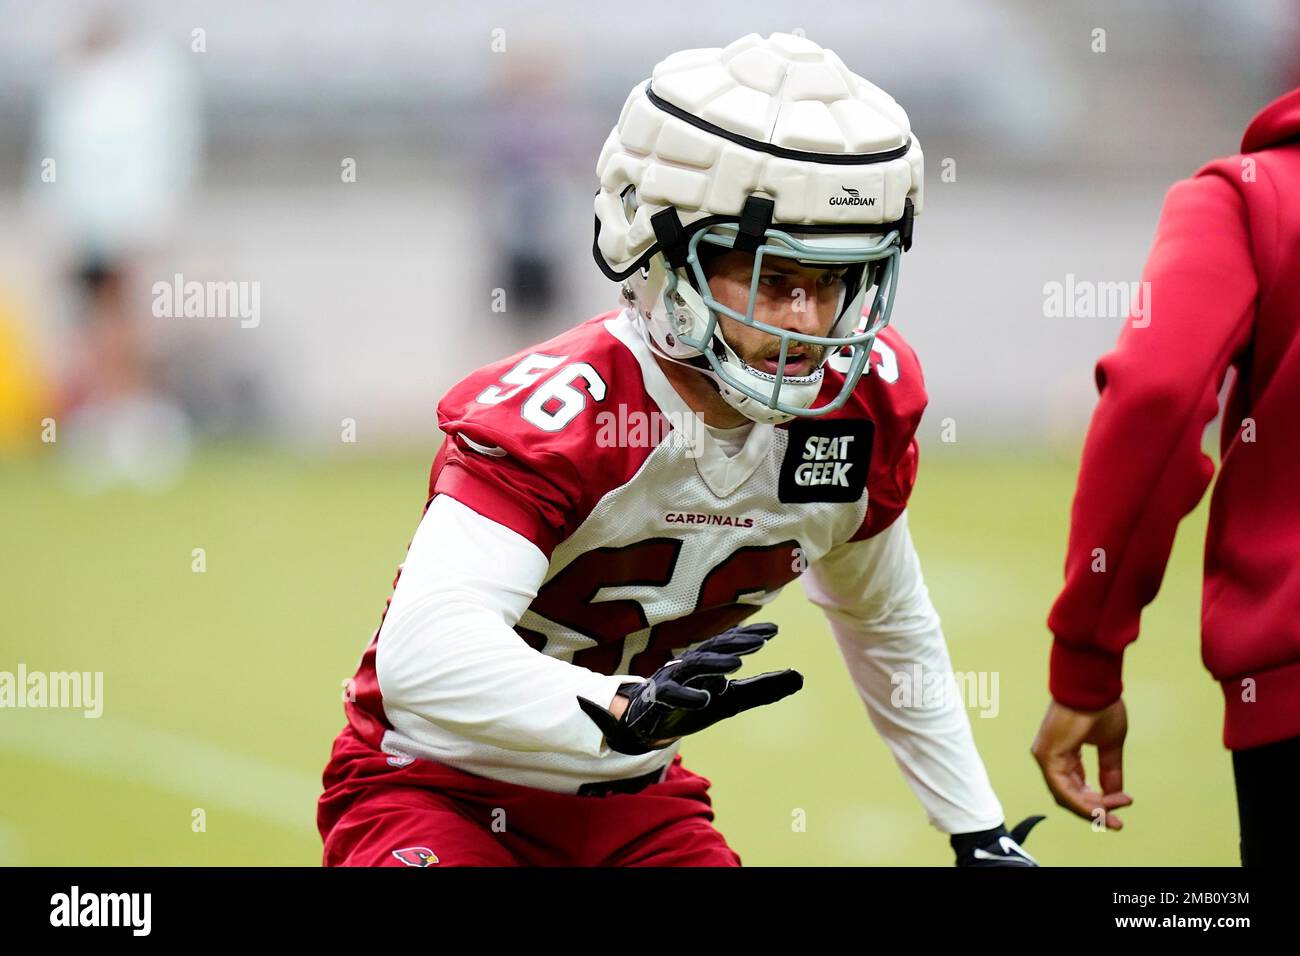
416	856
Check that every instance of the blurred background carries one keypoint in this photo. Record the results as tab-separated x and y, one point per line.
209	510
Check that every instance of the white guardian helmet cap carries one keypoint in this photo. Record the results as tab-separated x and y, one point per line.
770	146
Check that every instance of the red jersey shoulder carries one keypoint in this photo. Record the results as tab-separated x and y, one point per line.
891	394
892	391
533	441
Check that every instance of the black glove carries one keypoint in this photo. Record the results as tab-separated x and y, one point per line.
691	692
995	847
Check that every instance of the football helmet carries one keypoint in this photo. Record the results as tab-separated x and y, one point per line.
771	147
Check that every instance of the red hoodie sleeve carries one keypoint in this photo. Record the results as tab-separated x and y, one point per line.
1143	469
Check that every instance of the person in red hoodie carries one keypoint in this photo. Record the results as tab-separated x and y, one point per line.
1221	290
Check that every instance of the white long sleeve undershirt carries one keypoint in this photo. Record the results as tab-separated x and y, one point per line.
461	687
880	612
448	652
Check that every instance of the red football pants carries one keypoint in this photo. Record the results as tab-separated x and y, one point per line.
426	814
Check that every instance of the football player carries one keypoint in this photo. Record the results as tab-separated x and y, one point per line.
609	508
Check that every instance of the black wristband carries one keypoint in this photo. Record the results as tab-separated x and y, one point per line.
618	735
964	843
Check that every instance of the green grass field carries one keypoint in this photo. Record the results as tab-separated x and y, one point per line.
221	689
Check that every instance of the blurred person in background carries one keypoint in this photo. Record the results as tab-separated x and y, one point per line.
527	156
117	148
1222	291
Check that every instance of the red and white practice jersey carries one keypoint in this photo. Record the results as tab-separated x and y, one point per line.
656	538
584	526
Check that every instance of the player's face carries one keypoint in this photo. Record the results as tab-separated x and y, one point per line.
791	296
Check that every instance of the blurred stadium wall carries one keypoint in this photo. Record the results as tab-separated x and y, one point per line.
473	128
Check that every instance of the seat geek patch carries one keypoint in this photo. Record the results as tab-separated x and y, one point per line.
826	461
